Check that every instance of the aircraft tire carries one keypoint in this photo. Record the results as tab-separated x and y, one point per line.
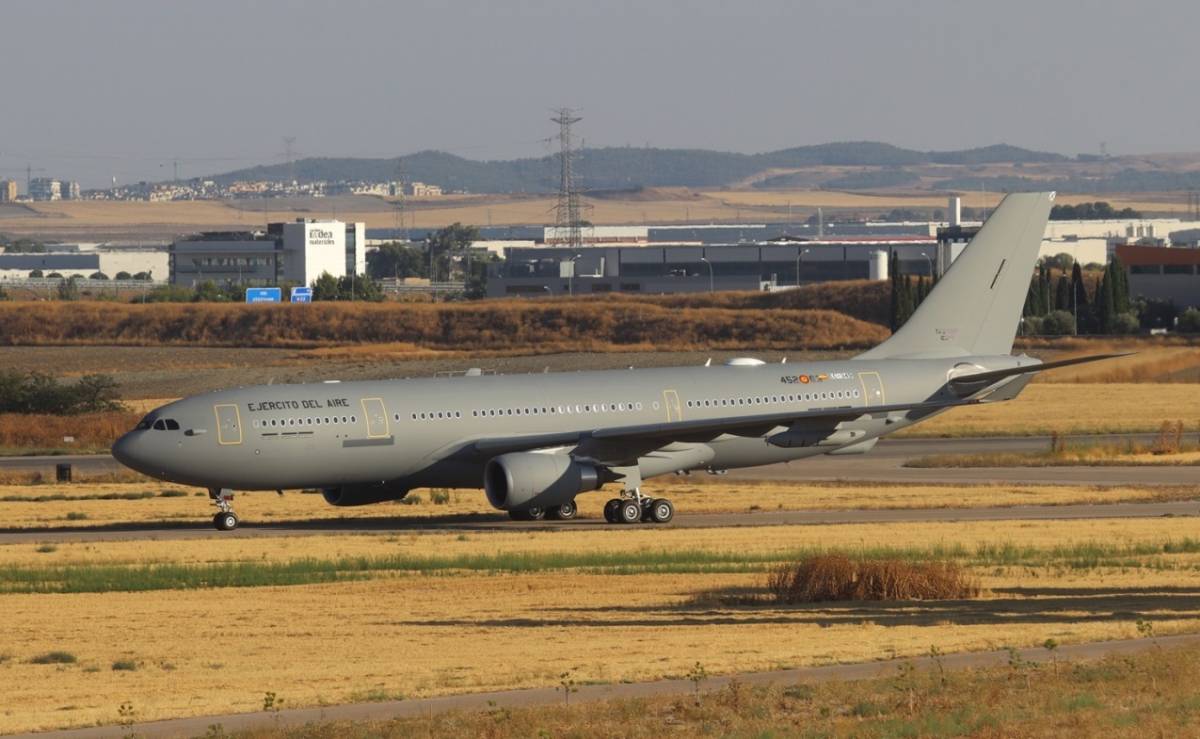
225	521
661	510
536	513
564	512
629	512
610	510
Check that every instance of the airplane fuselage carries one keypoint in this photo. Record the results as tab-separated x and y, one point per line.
410	432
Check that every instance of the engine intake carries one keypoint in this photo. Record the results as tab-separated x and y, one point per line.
365	494
524	479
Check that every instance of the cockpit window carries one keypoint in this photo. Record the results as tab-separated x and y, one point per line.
172	424
145	423
160	425
165	424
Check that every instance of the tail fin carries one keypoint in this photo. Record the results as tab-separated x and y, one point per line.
975	307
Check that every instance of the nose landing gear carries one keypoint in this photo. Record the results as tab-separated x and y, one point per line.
225	519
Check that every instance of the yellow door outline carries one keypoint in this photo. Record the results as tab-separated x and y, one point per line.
382	411
876	385
237	420
671	402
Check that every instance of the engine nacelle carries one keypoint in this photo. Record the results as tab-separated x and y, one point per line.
524	479
363	494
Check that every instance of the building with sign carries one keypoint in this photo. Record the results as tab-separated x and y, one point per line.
297	252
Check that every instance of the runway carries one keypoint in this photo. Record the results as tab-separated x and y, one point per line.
885	463
383	711
201	528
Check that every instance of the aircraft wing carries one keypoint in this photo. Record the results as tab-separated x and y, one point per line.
651	436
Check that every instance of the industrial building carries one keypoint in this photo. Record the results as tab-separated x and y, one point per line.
1162	273
297	252
85	260
675	269
45	189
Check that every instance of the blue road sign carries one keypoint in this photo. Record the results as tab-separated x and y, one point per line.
301	294
263	295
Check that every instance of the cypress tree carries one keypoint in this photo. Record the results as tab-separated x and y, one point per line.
1062	294
1120	280
894	278
1105	310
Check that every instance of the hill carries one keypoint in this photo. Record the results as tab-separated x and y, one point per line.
626	167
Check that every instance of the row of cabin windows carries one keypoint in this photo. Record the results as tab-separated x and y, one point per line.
309	421
545	410
768	399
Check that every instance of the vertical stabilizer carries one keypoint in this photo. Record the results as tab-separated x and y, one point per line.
976	306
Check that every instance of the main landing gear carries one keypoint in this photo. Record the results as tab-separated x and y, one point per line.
633	507
225	519
564	512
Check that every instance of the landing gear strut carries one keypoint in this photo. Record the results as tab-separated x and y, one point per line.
633	507
225	519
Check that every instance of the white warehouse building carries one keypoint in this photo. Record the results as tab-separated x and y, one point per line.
297	252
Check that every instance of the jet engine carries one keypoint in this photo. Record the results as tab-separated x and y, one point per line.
524	479
363	494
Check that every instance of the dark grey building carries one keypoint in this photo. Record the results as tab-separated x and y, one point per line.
674	269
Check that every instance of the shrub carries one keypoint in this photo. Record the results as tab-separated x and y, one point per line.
124	665
1126	323
1189	321
1057	323
37	392
832	577
54	658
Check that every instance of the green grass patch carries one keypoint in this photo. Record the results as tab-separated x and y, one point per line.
50	498
98	578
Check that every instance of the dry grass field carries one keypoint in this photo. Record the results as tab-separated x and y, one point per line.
659	205
85	505
1147	694
1051	407
654	604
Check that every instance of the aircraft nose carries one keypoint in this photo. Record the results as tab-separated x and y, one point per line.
126	450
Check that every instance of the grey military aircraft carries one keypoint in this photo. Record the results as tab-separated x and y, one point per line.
535	442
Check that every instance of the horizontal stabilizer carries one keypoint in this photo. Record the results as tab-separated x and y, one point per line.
989	377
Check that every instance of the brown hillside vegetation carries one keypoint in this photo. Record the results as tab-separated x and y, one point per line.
593	324
866	300
42	431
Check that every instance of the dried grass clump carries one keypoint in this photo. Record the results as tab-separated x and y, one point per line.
89	430
830	577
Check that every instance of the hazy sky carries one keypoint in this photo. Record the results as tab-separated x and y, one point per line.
96	89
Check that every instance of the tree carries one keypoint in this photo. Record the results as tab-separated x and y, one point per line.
1079	306
325	287
397	261
443	244
35	274
97	276
123	276
68	290
359	287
